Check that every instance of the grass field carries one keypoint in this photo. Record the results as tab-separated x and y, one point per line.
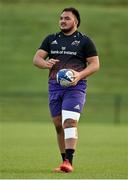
28	107
24	25
28	147
28	150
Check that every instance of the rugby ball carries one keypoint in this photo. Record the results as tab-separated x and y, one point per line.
64	77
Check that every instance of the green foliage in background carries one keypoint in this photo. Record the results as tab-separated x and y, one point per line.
91	2
28	147
23	27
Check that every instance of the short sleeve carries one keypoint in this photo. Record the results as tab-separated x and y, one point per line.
89	48
45	44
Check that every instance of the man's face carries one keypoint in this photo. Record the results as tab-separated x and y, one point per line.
67	21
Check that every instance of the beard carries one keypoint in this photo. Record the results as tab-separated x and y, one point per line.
66	30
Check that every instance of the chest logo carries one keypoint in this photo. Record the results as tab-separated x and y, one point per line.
63	48
75	43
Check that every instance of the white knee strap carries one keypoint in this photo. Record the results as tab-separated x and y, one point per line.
70	115
70	133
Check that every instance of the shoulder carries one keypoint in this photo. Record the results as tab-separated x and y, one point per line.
53	35
83	36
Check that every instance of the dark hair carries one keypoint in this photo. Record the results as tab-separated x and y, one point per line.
75	12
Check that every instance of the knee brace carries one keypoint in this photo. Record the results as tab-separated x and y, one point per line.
70	133
70	115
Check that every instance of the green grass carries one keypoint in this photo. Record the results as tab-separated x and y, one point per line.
27	107
91	2
29	150
24	25
28	147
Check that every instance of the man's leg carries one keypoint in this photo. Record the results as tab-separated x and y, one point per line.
55	103
66	126
73	102
70	136
60	135
70	143
66	143
60	138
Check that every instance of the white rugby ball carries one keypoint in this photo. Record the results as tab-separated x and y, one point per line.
64	77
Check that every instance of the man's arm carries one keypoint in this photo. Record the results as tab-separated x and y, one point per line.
93	66
40	62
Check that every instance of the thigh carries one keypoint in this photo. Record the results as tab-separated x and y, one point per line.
55	103
74	101
57	121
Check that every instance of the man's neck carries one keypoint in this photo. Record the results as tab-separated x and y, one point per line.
70	32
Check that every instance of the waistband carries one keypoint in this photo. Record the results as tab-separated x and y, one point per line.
54	86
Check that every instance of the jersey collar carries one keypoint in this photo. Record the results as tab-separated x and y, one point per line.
73	34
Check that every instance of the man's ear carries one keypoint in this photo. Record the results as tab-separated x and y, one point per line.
76	22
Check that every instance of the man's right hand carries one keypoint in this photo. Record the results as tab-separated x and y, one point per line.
50	63
40	62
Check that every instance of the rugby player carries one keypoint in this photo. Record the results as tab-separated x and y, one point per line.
70	49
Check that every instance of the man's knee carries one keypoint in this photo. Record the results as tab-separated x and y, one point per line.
70	118
70	129
69	123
